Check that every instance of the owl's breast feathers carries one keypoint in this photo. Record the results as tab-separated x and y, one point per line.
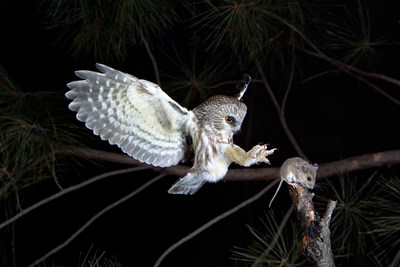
209	149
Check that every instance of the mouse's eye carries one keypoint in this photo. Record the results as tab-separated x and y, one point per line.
309	179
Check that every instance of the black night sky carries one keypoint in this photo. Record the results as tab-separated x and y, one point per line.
333	117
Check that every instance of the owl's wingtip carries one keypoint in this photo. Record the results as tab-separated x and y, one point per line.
104	68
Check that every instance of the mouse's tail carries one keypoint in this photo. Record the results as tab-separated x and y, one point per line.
277	190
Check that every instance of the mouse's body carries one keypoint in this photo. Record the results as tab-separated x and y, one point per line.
296	171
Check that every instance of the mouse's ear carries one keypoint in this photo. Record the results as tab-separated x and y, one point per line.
303	167
315	166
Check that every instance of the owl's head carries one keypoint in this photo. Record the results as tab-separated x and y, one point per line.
221	113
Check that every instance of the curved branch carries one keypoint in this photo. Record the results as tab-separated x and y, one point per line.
358	74
379	90
396	260
289	86
337	63
69	190
340	65
95	217
251	174
319	75
281	116
153	61
351	69
214	221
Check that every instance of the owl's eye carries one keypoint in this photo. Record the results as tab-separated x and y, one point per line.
229	119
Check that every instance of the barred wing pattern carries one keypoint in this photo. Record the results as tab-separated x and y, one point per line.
134	114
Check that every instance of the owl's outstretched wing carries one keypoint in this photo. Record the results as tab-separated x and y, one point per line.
134	114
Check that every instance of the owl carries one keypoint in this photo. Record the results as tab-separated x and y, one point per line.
141	119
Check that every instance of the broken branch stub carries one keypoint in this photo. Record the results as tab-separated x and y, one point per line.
316	243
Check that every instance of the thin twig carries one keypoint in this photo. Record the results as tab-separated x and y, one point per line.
53	165
379	90
319	75
214	221
282	118
221	84
14	185
343	66
153	61
212	5
95	217
351	69
396	260
358	74
289	86
268	87
276	236
68	190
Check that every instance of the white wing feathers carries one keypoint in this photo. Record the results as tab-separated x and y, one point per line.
134	114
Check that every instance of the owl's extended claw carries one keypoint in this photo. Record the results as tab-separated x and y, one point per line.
260	153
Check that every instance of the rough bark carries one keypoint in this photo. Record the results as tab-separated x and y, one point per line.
316	243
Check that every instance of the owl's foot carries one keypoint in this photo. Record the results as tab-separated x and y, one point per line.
259	153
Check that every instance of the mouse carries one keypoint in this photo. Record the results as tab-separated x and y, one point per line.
296	171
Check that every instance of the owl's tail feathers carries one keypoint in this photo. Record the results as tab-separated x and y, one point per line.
187	185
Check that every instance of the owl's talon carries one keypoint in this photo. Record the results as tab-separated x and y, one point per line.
259	153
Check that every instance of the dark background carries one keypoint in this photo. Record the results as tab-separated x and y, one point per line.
332	117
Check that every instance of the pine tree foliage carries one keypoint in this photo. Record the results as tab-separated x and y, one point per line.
353	217
195	79
96	258
356	38
364	223
31	139
387	223
106	29
203	48
263	253
364	226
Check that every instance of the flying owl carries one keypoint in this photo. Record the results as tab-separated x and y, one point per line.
137	116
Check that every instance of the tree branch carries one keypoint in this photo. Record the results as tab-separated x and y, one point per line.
316	242
359	73
214	221
153	61
351	69
340	65
251	174
281	116
69	190
289	86
94	218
